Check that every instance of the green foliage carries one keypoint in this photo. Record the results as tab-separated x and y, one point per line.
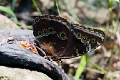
13	4
111	3
36	6
8	11
98	67
81	66
2	0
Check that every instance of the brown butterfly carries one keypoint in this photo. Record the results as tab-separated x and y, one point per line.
58	38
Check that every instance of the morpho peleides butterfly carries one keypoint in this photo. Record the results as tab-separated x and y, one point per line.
58	38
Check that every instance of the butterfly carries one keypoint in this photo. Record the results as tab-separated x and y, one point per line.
60	39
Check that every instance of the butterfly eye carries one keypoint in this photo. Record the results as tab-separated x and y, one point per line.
45	31
84	38
39	33
78	35
50	30
93	40
62	35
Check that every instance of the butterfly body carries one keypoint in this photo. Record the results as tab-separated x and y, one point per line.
58	38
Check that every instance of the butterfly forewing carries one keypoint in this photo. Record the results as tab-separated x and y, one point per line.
52	33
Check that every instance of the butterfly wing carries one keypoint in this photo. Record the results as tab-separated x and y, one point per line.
82	40
52	32
57	37
91	37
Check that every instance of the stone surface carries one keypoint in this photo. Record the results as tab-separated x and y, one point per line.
6	23
7	73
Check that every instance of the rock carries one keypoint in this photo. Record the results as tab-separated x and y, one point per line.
7	73
6	23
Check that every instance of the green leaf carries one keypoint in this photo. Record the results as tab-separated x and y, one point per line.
8	11
36	6
98	67
81	67
111	3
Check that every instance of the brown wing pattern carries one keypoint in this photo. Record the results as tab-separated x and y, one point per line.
52	33
57	37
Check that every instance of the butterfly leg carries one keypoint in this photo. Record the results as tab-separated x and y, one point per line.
57	59
43	53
